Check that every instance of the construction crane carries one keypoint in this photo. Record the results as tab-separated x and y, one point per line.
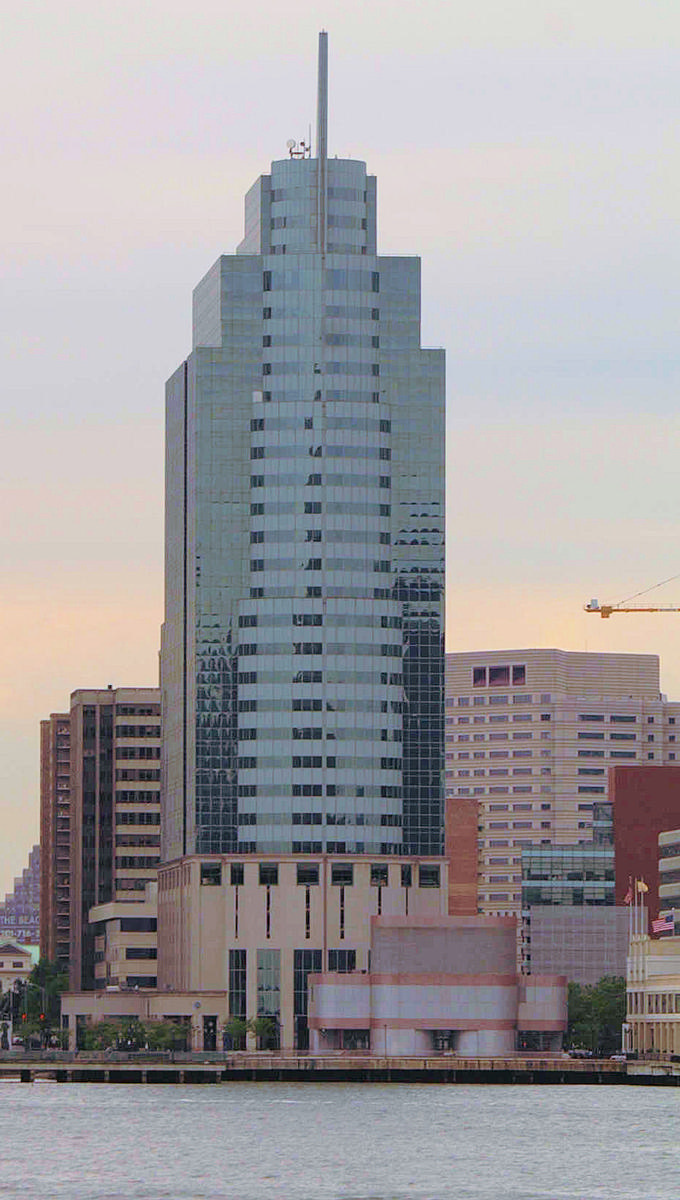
606	610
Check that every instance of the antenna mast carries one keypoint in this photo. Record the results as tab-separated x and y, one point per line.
322	140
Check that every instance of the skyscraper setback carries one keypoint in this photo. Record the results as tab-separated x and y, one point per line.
302	654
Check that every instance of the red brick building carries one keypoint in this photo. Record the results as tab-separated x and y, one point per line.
645	803
462	820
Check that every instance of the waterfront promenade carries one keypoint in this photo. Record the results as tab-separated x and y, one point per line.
213	1068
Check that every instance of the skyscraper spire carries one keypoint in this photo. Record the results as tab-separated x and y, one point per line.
322	139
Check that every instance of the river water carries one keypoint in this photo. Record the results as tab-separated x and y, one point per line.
326	1141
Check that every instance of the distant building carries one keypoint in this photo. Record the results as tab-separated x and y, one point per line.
55	839
531	734
16	962
20	911
115	809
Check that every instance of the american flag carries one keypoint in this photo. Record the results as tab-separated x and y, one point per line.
664	924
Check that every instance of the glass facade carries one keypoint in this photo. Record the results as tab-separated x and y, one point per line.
568	875
304	963
302	661
269	984
237	983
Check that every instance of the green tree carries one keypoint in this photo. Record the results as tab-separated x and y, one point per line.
165	1035
104	1035
236	1029
596	1014
130	1035
265	1031
35	1005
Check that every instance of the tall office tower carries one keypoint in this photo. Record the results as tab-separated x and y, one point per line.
531	734
20	911
55	838
302	657
115	808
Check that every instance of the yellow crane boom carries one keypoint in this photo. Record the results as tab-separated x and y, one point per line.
606	610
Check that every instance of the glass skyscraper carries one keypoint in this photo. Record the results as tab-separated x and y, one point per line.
302	654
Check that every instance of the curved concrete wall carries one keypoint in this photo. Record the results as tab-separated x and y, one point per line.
486	1043
438	975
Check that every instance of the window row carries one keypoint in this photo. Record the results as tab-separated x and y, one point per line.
496	719
316	479
318	450
308	874
288	535
352	649
315	507
316	761
500	676
356	424
480	701
138	731
316	733
308	676
359	565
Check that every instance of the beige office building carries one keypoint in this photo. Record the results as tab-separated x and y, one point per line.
126	942
531	734
653	1010
255	926
239	935
339	954
653	1006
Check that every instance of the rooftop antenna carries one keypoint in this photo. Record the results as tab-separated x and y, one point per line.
322	139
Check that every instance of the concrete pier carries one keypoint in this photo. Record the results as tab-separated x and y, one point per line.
214	1068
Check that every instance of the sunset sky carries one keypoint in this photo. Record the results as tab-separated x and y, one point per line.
526	149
